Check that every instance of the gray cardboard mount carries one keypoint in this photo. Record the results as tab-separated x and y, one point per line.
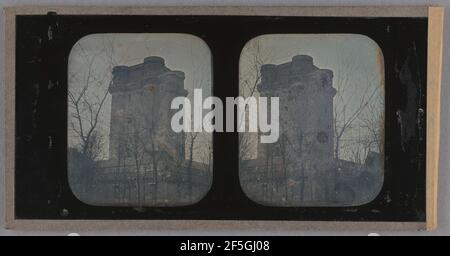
199	226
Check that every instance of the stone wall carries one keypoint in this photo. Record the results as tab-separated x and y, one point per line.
141	98
305	148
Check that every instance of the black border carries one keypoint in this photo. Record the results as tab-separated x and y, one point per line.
41	186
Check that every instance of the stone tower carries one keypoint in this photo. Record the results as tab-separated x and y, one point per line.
140	109
306	122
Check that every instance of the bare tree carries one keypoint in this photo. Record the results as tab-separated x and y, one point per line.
349	111
253	59
140	143
152	147
87	96
197	143
136	145
372	121
191	142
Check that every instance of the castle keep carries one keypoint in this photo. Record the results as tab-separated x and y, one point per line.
141	98
306	122
306	104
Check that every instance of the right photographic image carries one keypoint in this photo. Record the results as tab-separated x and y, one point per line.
330	146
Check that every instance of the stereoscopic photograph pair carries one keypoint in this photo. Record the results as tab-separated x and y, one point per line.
124	150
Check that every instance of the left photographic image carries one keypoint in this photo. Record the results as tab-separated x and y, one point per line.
122	148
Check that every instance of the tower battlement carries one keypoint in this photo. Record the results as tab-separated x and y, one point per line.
300	70
151	71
